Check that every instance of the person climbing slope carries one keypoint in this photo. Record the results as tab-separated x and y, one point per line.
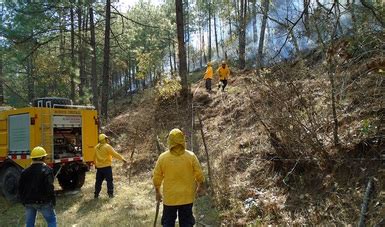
208	76
223	73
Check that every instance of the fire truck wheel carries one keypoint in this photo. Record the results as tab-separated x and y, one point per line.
10	182
71	181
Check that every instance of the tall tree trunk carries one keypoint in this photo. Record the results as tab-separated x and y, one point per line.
306	16
106	63
62	22
203	46
187	34
262	34
181	46
352	7
31	79
337	12
174	56
209	34
73	62
1	80
130	77
84	46
254	20
230	30
80	51
216	35
170	55
200	47
242	33
94	76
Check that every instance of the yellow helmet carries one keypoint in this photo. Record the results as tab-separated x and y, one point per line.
102	137
209	63
38	152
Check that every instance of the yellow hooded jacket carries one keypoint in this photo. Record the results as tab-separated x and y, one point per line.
223	73
179	170
209	73
104	153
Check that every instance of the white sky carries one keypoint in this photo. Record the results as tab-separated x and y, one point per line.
123	5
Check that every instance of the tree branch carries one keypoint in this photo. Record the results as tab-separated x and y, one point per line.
129	19
290	30
371	8
37	46
14	92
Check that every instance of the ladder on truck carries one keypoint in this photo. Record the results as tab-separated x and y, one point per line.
47	132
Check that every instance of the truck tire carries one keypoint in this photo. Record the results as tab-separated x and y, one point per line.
10	183
71	180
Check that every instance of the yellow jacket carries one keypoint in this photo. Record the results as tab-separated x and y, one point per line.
179	170
223	73
103	155
209	73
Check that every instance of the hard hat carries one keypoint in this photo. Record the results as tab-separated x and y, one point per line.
38	152
208	63
223	63
102	137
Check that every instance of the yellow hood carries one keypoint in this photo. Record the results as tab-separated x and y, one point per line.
176	142
178	170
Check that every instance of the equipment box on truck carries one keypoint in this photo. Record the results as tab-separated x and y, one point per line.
67	132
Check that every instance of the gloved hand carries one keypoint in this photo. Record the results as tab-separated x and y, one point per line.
158	196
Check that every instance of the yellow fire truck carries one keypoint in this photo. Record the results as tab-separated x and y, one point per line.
67	132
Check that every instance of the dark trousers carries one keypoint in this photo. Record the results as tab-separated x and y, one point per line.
224	84
185	215
208	84
101	174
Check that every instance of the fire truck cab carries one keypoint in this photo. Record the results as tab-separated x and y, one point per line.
67	132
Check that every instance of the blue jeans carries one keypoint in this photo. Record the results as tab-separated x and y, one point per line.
101	174
185	215
46	210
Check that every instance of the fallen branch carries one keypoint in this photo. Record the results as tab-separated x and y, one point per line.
160	146
289	173
131	163
381	223
207	156
364	206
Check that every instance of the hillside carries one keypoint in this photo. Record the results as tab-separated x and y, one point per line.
271	149
271	145
270	142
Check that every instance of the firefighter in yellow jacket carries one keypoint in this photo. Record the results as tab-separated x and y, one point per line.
208	76
223	73
181	174
103	160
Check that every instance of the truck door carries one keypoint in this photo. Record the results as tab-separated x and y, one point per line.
19	134
89	134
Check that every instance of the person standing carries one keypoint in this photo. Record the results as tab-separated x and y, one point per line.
103	160
181	174
224	73
208	76
36	189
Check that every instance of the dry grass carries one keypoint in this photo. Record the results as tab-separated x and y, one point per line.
133	205
286	113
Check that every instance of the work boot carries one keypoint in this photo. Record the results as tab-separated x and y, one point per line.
111	196
96	196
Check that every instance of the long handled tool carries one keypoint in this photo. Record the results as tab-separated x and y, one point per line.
156	212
